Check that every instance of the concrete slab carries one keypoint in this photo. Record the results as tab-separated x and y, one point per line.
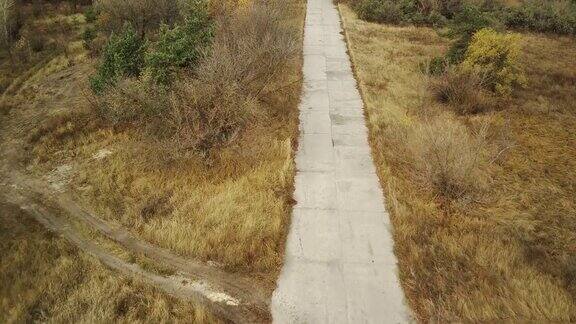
315	190
315	121
339	265
315	153
318	235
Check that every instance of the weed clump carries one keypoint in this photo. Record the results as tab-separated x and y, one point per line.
447	157
464	91
90	14
88	36
144	16
131	101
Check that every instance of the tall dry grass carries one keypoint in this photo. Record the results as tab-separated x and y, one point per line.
447	157
45	279
507	253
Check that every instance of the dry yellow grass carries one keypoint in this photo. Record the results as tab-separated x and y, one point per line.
45	278
505	247
231	208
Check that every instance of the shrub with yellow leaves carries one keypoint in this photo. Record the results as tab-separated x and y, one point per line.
496	55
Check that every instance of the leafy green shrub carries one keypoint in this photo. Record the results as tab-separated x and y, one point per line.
122	56
558	16
90	14
497	56
467	22
88	37
180	46
382	11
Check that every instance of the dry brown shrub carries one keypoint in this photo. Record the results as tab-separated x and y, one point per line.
250	53
131	100
203	115
251	48
447	157
465	92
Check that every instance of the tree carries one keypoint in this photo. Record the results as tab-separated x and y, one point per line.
7	24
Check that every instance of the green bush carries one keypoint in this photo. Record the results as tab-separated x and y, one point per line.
122	56
420	12
90	14
544	16
179	47
88	37
381	11
429	12
465	24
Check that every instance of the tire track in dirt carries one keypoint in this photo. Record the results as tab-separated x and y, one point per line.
233	297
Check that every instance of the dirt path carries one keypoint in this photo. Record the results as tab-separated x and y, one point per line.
180	285
235	297
339	266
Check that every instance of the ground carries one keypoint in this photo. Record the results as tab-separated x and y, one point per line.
505	250
228	209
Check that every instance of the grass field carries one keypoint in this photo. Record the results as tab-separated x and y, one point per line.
496	240
51	280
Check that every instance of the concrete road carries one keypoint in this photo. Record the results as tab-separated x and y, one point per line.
340	266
